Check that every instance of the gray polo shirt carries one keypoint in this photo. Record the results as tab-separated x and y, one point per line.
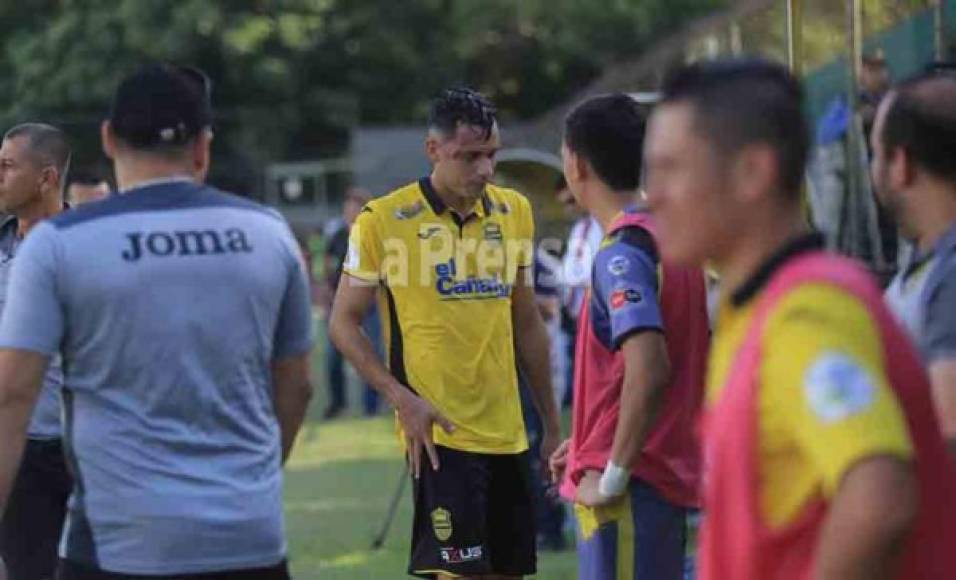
169	304
45	422
938	340
904	295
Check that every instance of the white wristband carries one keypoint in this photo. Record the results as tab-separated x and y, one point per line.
614	480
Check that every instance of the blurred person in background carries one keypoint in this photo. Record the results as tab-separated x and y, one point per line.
184	321
34	162
824	458
336	250
632	465
914	170
547	288
86	185
874	84
549	510
582	244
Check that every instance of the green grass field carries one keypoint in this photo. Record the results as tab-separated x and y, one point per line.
339	482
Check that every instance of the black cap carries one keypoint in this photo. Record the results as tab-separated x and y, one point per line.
161	104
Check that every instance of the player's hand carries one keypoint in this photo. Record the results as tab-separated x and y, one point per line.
558	461
417	417
550	440
588	494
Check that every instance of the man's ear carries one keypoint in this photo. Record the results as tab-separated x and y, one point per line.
577	166
202	154
432	146
900	169
755	170
583	168
50	179
108	139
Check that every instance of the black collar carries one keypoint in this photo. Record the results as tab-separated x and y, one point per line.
793	248
438	206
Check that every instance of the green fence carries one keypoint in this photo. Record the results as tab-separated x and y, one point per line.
909	46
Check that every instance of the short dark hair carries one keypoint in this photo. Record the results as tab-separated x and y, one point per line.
461	106
47	143
740	102
608	131
921	120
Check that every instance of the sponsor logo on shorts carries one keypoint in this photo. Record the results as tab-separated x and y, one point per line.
441	524
624	296
461	555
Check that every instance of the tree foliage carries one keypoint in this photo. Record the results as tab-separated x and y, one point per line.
293	76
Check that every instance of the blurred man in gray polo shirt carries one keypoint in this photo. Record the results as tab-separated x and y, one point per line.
914	170
33	164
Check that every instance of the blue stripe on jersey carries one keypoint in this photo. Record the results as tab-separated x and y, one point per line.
162	196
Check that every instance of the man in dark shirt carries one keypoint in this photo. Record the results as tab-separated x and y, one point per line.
335	254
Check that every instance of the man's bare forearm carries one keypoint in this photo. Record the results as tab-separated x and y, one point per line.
293	391
646	375
13	429
291	414
868	521
346	333
639	401
21	373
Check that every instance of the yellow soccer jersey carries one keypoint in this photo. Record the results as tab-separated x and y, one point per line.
824	400
446	284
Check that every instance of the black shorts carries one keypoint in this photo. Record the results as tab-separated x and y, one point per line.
32	524
474	516
68	570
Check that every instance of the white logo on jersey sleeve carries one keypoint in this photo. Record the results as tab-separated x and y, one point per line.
618	265
352	258
837	387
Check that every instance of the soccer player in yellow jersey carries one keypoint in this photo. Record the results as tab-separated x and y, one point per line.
449	259
813	390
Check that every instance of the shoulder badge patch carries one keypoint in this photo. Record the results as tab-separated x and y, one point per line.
618	265
837	387
410	211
